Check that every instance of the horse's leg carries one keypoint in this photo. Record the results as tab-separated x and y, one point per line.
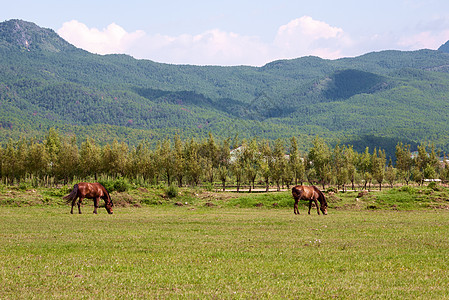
73	204
317	207
96	200
79	205
295	207
310	205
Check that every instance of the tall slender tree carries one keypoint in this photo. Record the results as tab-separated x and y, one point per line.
319	157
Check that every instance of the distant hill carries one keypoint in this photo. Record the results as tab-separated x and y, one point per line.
375	99
444	48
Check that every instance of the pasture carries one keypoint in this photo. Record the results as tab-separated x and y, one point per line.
222	252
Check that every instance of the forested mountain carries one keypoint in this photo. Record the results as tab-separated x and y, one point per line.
372	100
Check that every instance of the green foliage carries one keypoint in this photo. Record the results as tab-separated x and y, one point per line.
409	189
347	83
119	184
271	200
433	186
172	191
374	100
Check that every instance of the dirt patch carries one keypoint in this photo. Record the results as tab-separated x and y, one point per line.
216	196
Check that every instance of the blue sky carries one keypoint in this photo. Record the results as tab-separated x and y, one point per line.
239	32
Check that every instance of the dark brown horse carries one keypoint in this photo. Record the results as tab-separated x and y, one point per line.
91	191
311	193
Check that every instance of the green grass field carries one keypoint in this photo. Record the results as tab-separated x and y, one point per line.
222	252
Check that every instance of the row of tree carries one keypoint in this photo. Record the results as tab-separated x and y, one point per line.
230	162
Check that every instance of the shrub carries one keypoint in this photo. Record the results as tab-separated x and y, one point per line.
409	189
172	191
433	185
119	184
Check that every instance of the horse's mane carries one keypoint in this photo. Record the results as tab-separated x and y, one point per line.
106	193
321	197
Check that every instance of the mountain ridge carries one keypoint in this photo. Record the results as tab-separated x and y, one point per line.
28	36
389	95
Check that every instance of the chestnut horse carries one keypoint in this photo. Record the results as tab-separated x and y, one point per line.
91	191
311	193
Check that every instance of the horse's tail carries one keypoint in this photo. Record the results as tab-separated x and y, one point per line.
73	194
296	193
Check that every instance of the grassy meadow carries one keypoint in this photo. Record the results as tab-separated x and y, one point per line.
250	249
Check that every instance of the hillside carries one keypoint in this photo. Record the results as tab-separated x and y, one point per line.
372	100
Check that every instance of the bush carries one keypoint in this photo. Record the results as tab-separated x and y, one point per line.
119	184
433	185
23	186
172	191
209	187
409	189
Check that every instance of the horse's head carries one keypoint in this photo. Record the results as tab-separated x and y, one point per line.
109	205
323	208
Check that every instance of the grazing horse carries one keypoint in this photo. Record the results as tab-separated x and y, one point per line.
91	191
311	193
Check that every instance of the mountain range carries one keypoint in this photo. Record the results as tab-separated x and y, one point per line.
373	100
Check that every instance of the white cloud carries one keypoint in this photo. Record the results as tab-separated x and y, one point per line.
112	39
300	37
211	47
308	27
306	36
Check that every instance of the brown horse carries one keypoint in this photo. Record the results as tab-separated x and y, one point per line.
311	193
91	191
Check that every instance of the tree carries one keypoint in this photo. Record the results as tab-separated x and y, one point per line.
433	163
224	157
52	144
378	162
365	166
296	162
90	159
251	162
223	175
339	166
179	167
404	161
266	161
114	159
140	162
21	156
37	161
167	160
319	157
146	162
210	153
67	161
193	165
10	162
351	160
391	174
279	163
237	166
421	162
